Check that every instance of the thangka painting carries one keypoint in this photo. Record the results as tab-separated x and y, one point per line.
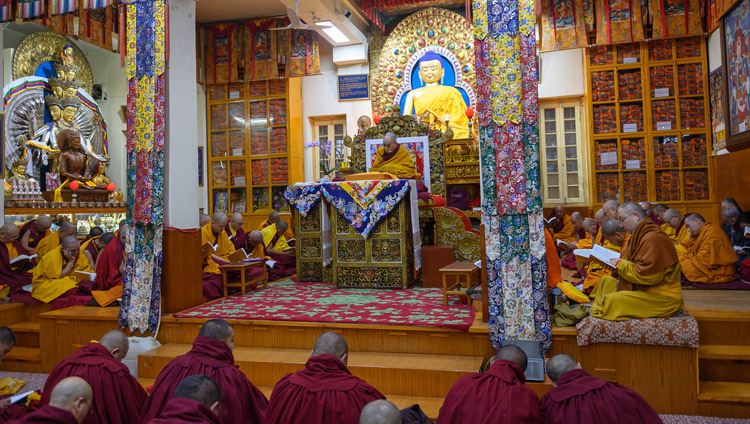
619	21
563	24
716	90
675	18
418	148
737	78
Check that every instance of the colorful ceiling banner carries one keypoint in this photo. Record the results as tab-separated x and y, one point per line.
507	83
618	21
675	18
563	24
145	66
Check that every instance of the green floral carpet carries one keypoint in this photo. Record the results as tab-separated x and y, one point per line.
320	302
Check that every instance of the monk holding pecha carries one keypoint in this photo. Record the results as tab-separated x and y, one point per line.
648	273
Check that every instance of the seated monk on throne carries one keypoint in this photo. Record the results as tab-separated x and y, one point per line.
393	158
445	105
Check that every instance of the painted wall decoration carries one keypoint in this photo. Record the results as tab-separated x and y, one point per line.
563	24
675	18
437	30
716	88
620	21
736	64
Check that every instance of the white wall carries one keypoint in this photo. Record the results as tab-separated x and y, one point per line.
714	50
320	98
202	136
562	74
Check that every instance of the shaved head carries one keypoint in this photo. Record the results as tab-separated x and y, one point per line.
67	229
220	217
577	219
559	211
514	354
116	342
610	208
106	238
600	216
589	225
672	213
69	242
380	412
204	219
332	344
273	217
96	231
43	222
611	227
218	222
72	394
695	217
647	207
122	223
8	233
631	208
659	210
236	217
559	365
256	237
7	336
218	329
282	226
199	388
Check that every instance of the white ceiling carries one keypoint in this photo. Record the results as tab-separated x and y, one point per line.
232	10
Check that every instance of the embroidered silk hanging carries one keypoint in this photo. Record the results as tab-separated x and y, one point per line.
618	21
96	26
261	61
563	24
145	65
675	18
222	53
302	55
505	55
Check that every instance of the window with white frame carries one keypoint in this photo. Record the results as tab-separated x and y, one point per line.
328	144
561	139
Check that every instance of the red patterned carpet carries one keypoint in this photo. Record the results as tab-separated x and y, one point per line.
320	302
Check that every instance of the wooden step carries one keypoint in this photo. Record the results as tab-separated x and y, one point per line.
430	405
11	313
724	352
27	333
23	359
724	392
396	373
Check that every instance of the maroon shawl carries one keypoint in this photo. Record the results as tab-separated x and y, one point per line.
14	278
241	402
497	396
35	237
324	392
581	398
46	415
118	397
186	411
108	265
239	239
93	250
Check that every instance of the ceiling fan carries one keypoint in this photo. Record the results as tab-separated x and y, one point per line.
295	22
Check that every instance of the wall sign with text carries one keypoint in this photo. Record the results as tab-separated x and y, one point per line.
354	87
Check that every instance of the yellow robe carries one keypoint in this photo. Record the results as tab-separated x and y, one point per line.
400	165
441	100
596	271
289	234
682	235
268	234
225	248
47	283
568	233
669	231
708	258
47	244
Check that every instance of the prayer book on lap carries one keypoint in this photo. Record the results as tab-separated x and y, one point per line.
238	255
550	221
209	249
20	396
22	258
597	253
85	276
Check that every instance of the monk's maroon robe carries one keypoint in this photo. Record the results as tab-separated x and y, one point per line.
496	396
285	265
582	398
118	397
324	392
46	415
15	277
35	237
93	250
239	238
186	411
108	265
241	401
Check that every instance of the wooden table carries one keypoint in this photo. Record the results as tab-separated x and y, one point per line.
459	270
242	267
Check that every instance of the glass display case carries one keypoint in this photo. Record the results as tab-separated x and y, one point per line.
84	219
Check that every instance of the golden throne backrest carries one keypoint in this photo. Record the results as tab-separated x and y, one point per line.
452	228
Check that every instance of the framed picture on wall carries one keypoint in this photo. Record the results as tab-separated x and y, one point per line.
735	57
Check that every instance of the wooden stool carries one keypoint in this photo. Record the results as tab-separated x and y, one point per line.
242	267
458	269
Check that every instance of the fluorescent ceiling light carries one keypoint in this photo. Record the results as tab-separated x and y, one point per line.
333	32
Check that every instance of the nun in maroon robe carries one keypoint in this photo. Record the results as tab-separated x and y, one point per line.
496	396
186	411
118	397
582	398
46	415
242	402
324	392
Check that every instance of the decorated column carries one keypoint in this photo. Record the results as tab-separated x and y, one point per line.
145	62
507	111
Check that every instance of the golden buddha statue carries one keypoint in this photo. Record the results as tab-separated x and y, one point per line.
101	179
19	169
444	104
73	160
70	106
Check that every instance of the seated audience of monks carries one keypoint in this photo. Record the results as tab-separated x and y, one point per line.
70	402
198	399
649	273
33	231
51	241
561	226
54	278
707	256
